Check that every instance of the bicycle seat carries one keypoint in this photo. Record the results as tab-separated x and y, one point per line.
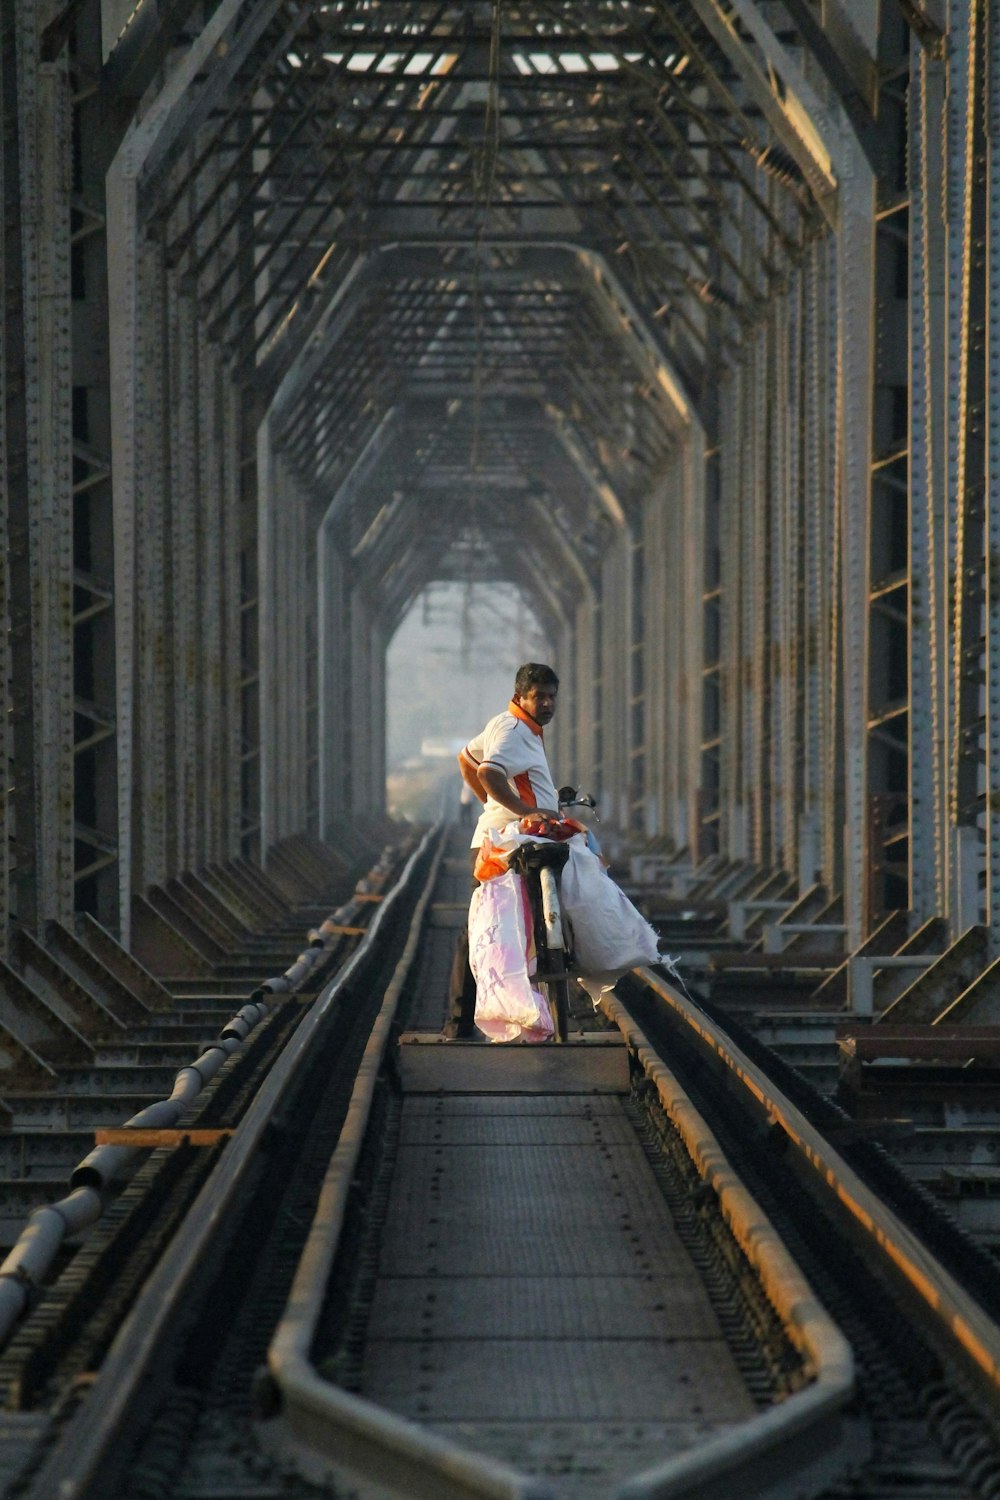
529	857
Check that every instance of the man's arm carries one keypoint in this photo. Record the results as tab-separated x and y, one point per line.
500	789
470	774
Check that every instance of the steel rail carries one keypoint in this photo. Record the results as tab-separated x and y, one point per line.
328	1431
810	1416
322	1427
74	1469
24	1269
963	1335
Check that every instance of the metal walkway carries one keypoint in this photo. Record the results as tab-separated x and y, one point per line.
534	1300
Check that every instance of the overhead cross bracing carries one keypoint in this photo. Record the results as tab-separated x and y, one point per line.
508	141
356	126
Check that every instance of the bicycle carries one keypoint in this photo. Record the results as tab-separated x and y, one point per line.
540	863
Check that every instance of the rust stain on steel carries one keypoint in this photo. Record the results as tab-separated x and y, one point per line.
121	1135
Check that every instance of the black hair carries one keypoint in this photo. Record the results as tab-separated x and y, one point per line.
534	674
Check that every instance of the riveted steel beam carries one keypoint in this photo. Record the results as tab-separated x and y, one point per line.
780	92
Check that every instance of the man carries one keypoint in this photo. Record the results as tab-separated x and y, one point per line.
507	769
506	765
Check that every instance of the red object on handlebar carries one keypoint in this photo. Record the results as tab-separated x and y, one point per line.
547	828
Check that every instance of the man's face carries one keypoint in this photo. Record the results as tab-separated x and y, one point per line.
539	701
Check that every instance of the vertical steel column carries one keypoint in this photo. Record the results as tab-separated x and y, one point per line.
599	708
127	399
817	487
10	280
45	156
635	669
708	784
584	764
756	691
95	792
211	602
664	546
780	583
657	625
377	719
690	462
791	721
185	541
887	768
215	602
568	654
855	264
834	802
929	627
733	819
683	710
361	672
672	526
250	644
19	855
270	670
153	564
294	605
968	150
278	685
230	791
332	672
993	479
617	616
311	601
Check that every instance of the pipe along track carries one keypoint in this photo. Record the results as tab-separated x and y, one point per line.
457	1271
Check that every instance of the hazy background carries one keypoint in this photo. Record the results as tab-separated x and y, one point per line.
451	667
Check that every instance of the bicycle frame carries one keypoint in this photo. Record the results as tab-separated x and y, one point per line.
539	863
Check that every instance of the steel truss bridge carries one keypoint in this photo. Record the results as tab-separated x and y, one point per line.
679	319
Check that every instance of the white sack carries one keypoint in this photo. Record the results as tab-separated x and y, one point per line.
501	955
609	935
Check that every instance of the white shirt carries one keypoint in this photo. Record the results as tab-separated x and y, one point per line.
514	745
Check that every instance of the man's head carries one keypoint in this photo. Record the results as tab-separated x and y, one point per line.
535	689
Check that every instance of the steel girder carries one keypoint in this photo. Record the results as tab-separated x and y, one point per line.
38	831
972	707
928	578
18	866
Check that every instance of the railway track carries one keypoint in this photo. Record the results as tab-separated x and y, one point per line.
628	1267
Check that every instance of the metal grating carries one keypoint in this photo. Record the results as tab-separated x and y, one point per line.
534	1300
